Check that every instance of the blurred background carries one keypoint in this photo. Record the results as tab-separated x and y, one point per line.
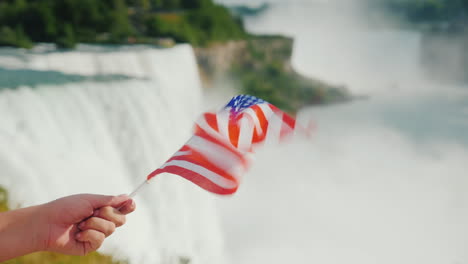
94	95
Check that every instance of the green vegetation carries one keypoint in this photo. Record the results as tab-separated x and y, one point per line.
3	199
289	91
67	22
197	26
53	258
264	71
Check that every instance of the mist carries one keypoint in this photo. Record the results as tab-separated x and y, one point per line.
381	180
361	46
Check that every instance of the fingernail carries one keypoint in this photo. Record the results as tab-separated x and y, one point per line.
130	203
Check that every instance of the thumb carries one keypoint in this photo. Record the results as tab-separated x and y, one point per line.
98	201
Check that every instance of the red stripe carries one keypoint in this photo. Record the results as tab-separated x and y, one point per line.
287	126
288	123
197	129
200	160
259	136
234	132
288	120
260	116
184	148
212	121
196	178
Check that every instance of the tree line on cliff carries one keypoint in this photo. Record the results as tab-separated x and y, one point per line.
68	22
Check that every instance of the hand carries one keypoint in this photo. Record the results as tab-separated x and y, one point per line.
74	225
78	224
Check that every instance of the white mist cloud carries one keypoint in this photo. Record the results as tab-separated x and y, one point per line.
382	181
356	193
363	48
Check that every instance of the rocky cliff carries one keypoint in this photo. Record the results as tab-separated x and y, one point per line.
261	65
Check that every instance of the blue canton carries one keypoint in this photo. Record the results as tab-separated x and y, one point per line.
241	102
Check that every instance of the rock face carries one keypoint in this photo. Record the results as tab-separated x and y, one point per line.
215	61
261	66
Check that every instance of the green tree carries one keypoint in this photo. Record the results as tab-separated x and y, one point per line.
67	39
16	37
67	22
119	21
196	4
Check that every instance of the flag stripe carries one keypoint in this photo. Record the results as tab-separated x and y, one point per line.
221	143
224	158
199	179
211	120
222	120
200	160
244	142
261	129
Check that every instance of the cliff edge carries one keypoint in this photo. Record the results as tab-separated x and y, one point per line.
261	65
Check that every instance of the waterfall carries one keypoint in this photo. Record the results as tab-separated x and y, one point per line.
104	135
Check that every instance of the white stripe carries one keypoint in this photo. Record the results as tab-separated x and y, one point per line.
275	123
223	123
250	112
205	126
212	176
267	111
217	154
181	153
245	134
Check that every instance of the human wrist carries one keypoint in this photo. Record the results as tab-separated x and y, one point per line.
39	224
20	232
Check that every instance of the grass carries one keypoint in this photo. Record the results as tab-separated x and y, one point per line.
55	258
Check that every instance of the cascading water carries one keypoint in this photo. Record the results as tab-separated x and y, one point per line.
98	120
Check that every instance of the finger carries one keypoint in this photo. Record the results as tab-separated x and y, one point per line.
127	207
92	238
111	214
98	224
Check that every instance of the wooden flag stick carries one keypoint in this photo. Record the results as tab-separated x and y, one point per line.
131	195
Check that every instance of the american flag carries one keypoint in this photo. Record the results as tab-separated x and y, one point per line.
216	156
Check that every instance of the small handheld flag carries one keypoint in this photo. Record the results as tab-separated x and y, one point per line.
216	156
